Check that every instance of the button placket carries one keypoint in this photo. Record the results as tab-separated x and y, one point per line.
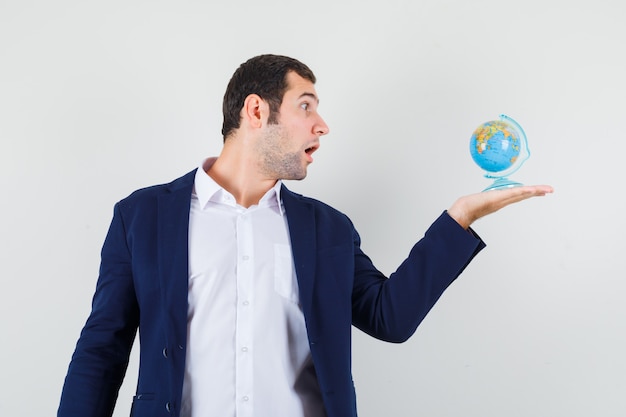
244	328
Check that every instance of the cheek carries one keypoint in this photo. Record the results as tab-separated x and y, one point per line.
299	129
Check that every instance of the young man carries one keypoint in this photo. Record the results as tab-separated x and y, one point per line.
244	293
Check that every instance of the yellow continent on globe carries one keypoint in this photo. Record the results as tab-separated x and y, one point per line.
487	131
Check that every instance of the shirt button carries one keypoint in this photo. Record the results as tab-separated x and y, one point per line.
244	349
246	303
245	398
245	257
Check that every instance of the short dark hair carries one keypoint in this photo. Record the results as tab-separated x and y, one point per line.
264	75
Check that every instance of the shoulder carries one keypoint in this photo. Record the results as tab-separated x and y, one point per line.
323	211
290	196
151	193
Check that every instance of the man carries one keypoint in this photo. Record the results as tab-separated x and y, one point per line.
244	293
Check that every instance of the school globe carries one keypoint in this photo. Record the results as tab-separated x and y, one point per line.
495	146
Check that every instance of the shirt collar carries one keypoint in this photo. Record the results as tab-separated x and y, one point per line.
207	190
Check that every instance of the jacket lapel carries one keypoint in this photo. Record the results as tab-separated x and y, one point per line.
173	242
301	221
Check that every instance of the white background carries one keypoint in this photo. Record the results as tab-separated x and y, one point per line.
98	98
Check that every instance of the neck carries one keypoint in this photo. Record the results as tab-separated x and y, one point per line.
238	174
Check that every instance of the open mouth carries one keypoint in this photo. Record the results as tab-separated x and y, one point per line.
309	152
311	149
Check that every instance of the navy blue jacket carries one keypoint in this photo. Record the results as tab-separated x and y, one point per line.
143	285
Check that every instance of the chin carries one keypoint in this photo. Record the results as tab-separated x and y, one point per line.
293	176
298	177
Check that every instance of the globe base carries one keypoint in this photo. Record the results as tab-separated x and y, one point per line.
503	183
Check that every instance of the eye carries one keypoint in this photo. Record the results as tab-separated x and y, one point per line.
305	106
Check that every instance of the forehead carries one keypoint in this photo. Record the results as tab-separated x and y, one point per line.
298	86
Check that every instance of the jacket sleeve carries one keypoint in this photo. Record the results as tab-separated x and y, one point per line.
391	308
101	357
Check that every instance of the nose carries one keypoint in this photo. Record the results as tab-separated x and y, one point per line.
321	128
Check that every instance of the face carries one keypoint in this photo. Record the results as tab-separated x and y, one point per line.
286	148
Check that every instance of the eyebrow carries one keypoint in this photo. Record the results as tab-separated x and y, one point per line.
311	95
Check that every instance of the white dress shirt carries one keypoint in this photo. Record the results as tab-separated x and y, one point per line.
247	352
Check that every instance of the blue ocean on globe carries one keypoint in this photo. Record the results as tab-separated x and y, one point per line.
495	146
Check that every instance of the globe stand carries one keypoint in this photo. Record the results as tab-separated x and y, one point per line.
501	183
500	148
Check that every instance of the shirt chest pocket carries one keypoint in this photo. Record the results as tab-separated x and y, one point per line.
285	280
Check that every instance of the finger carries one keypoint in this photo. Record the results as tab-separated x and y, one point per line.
517	194
521	192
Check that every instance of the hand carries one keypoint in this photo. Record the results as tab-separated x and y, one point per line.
466	210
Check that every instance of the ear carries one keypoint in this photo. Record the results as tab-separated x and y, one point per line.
255	111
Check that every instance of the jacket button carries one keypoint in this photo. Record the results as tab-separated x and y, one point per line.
165	352
168	407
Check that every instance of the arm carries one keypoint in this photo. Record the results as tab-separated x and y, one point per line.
391	309
101	357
